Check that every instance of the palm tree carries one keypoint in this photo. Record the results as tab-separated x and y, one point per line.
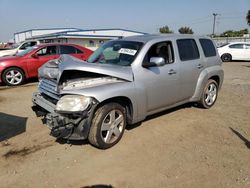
248	17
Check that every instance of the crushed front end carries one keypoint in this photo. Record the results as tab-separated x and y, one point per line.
67	116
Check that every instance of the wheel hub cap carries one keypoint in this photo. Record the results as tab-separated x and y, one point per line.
14	77
211	94
112	126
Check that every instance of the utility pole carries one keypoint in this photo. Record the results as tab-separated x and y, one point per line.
214	14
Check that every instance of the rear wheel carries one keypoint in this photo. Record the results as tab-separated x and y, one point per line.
226	57
209	94
13	76
108	126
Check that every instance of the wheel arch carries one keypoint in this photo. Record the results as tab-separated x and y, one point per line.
24	72
123	101
215	78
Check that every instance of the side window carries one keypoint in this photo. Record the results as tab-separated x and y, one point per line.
208	47
247	46
32	43
188	49
67	50
49	50
79	51
162	49
27	44
236	46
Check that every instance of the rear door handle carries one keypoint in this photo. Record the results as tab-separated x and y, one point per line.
199	66
171	71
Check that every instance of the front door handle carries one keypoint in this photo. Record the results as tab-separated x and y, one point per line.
199	66
171	71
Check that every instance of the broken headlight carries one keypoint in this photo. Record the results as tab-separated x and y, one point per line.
73	103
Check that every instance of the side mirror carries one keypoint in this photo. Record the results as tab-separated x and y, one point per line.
155	62
35	56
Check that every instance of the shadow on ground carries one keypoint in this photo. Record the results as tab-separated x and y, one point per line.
72	142
246	141
129	127
11	126
29	82
98	186
169	111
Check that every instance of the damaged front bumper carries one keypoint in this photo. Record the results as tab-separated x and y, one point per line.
72	126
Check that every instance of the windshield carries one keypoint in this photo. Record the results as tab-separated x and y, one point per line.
116	52
28	50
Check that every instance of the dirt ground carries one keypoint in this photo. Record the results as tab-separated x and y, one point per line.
183	147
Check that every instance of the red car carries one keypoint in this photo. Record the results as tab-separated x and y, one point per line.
15	69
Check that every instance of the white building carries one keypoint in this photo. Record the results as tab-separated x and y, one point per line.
24	35
91	39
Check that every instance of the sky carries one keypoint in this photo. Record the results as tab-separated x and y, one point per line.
139	15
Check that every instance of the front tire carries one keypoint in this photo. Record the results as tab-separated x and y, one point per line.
108	125
13	76
226	57
209	95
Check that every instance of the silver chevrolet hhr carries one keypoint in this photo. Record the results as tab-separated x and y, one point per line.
123	82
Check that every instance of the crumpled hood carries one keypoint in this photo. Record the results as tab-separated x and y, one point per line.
66	62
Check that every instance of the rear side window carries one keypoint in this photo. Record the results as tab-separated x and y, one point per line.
237	46
67	50
78	51
208	47
188	49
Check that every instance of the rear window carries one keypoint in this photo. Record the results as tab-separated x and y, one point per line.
208	47
188	49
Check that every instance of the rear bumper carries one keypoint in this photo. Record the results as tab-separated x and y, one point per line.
68	126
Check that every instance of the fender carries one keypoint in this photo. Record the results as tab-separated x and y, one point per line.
205	75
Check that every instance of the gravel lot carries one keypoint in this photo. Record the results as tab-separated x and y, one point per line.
183	147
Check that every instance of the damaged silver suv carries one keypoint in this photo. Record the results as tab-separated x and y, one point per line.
123	82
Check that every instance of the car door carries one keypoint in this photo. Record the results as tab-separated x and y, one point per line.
39	57
71	50
247	52
161	83
191	66
237	51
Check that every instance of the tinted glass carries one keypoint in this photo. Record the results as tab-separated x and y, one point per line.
162	49
208	47
188	49
67	50
49	50
78	51
237	46
247	46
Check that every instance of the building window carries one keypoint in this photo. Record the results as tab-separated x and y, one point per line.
91	43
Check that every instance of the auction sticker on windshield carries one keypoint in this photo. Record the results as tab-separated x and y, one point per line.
127	51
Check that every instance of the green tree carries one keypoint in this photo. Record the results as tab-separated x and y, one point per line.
185	30
248	17
165	29
231	33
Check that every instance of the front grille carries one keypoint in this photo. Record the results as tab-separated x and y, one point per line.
49	88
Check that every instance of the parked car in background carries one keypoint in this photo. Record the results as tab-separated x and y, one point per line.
15	69
235	51
17	47
123	82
